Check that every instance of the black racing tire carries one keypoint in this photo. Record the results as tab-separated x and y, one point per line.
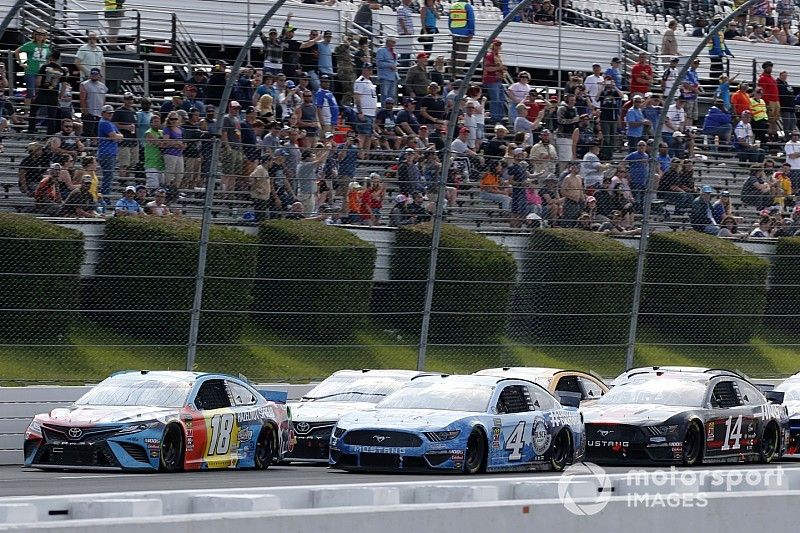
172	449
770	443
475	457
561	451
693	444
265	448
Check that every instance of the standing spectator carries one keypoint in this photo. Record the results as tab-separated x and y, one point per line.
792	150
192	155
345	71
670	76
760	123
366	101
417	79
262	191
143	117
741	100
90	56
690	90
641	75
571	191
429	17
93	98
325	55
716	50
327	107
309	58
363	53
461	22
639	171
583	137
48	85
614	72
635	122
669	44
568	118
744	141
786	99
37	51
109	138
493	71
190	100
172	148
676	121
305	118
290	60
114	13
252	129
272	48
200	82
610	99
405	31
128	151
386	58
771	94
594	85
232	155
517	93
153	155
519	178
363	16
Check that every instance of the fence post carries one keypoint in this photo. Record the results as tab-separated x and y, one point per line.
440	196
205	229
651	181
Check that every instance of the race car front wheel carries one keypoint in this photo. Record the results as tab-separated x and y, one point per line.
474	459
770	442
693	444
264	448
562	451
172	449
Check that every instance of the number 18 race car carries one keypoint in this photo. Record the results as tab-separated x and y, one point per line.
685	418
461	424
167	421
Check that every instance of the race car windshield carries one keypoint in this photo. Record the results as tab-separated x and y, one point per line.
354	389
443	396
656	391
790	390
145	392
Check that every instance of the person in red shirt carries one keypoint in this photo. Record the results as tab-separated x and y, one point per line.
641	75
741	100
493	70
769	86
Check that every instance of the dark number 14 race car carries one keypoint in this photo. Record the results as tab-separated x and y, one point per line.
685	418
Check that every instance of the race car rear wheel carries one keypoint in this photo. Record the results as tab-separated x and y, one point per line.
693	444
264	448
562	451
770	442
172	449
475	458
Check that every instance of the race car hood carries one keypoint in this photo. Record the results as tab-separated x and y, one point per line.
325	411
630	413
409	419
99	414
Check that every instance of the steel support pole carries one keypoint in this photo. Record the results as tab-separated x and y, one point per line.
652	182
440	196
211	181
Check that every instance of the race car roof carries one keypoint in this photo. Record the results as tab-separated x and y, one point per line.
380	372
525	372
473	378
172	375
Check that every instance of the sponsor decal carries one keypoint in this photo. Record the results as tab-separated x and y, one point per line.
153	444
256	414
497	422
302	427
541	437
771	410
607	443
565	418
605	432
458	466
437	446
74	433
496	438
379	449
457	455
710	432
658	439
154	454
380	438
245	435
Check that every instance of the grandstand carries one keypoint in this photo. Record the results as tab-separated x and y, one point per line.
158	50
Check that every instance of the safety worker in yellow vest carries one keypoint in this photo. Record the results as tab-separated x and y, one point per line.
760	123
461	22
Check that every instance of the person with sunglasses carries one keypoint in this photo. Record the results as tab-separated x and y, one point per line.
90	56
37	51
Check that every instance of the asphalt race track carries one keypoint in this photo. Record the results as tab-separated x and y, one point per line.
16	481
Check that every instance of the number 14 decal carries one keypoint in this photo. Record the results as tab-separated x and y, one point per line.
732	431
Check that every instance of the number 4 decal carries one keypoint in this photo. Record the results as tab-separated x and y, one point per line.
515	443
220	440
734	433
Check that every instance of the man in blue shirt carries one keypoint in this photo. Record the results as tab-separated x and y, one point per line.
386	58
614	72
635	122
325	54
109	137
127	206
638	170
327	107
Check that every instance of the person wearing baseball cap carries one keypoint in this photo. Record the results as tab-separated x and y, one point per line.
127	205
417	77
108	139
366	103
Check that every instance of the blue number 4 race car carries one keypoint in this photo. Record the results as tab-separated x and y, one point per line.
464	424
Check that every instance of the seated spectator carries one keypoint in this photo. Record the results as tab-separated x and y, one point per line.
295	212
398	216
572	195
127	205
756	192
718	124
729	228
673	190
158	207
592	169
386	125
722	208
80	202
744	141
354	192
618	226
701	216
32	168
781	184
792	228
47	196
418	212
764	228
492	189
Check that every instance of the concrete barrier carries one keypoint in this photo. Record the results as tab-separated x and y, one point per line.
114	508
234	503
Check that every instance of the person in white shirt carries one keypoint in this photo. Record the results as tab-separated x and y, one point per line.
594	84
670	76
675	122
517	92
592	169
90	56
792	150
366	100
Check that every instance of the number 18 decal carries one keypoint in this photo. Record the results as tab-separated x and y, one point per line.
732	431
220	440
515	443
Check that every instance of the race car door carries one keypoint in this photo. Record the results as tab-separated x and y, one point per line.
219	418
732	429
513	431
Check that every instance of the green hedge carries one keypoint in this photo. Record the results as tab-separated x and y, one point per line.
40	264
147	271
704	276
315	280
577	288
474	280
784	292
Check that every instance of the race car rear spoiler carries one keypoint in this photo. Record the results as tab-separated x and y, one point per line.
277	396
774	396
569	399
